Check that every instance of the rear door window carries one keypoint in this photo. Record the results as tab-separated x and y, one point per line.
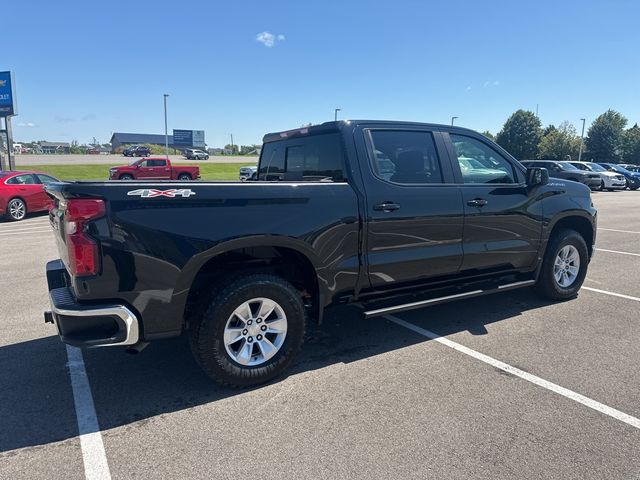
406	157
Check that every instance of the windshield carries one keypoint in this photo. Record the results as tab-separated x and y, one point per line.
619	169
595	167
471	164
567	166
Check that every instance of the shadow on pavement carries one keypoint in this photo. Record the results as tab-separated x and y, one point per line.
36	403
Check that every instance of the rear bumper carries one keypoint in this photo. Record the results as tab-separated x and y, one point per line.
84	325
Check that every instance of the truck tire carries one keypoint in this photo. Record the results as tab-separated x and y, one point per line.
248	332
564	266
126	176
184	177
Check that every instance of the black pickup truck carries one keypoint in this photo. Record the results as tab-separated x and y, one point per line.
389	215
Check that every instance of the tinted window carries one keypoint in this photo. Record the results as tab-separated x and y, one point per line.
22	180
479	163
313	158
46	179
407	157
156	163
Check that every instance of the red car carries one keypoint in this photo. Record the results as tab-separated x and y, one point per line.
23	192
154	169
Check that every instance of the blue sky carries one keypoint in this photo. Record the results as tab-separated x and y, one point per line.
86	69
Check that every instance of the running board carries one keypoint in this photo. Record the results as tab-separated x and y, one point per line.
447	298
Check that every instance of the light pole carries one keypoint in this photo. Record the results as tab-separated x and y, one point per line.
335	114
452	120
581	140
166	134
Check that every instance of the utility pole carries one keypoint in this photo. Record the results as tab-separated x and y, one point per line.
166	133
537	110
581	140
452	120
7	124
335	114
231	143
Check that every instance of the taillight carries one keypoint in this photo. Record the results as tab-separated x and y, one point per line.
84	258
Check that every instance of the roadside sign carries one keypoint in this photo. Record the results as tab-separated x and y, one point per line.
188	138
7	95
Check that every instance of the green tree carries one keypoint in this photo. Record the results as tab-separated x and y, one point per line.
604	137
489	135
232	148
75	147
631	145
560	143
521	135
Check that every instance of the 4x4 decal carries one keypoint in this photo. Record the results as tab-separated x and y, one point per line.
171	193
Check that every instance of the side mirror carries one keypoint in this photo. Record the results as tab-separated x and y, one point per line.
537	176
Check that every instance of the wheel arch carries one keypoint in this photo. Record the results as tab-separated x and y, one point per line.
280	256
578	222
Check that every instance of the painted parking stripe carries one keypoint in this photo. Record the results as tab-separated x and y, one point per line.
30	226
565	392
615	230
613	294
93	454
618	252
25	234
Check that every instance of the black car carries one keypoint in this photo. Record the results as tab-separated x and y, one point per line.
137	151
565	171
389	215
632	178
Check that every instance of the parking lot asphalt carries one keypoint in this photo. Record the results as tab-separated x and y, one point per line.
365	399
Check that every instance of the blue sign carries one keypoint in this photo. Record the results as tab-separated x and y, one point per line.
7	95
183	138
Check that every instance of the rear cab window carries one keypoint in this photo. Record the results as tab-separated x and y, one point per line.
313	158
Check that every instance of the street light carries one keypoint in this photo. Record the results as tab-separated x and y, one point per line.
335	114
581	140
166	134
452	119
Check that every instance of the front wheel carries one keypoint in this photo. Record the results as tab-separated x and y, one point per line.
564	266
248	332
126	177
16	209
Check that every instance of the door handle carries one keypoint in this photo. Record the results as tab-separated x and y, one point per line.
477	202
386	207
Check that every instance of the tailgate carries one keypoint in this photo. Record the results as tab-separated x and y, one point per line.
56	217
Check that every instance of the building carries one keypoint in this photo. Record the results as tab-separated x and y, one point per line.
55	147
120	141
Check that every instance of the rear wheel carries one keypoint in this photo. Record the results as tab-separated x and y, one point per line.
16	209
248	332
564	266
184	177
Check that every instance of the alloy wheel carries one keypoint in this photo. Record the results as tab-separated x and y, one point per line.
566	266
255	332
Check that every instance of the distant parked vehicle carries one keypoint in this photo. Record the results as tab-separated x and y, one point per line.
193	154
566	171
633	178
608	180
137	151
154	169
248	173
631	167
22	193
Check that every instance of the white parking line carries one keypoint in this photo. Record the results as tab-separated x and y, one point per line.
576	397
615	230
613	294
617	251
25	233
93	454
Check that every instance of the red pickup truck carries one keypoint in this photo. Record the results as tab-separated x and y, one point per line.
154	169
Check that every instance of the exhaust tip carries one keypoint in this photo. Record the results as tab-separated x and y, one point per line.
137	348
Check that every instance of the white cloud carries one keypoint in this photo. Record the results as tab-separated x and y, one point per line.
468	89
489	83
26	124
496	83
268	39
